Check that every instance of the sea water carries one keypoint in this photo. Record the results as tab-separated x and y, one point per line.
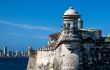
13	63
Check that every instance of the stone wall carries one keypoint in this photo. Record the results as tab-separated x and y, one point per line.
59	59
65	59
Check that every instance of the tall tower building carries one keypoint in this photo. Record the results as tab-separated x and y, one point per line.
5	51
18	53
1	53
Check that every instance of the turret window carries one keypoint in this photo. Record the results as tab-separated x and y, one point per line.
64	25
68	24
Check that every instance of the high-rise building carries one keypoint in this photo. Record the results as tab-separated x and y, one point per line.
10	54
5	51
1	53
18	53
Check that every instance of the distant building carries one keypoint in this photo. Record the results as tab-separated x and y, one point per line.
24	54
13	53
1	53
74	48
10	54
5	51
18	53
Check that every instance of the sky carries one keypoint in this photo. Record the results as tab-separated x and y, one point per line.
29	22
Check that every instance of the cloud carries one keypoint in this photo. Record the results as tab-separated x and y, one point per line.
25	35
25	26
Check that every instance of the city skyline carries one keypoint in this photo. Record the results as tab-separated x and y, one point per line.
25	22
5	52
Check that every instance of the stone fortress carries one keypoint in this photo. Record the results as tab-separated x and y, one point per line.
73	48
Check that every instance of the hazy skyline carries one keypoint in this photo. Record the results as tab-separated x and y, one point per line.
29	22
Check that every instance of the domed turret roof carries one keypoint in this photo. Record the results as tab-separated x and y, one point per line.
71	11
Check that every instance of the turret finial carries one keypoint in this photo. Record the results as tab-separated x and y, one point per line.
71	7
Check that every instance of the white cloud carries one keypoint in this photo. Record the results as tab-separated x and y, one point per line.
25	35
25	26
